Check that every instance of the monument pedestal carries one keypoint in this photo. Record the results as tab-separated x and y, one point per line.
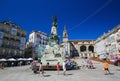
52	55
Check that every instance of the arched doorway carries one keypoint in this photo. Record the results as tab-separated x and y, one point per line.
83	48
83	51
91	48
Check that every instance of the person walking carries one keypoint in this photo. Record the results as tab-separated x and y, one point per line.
91	65
106	67
58	67
64	67
41	69
33	66
2	65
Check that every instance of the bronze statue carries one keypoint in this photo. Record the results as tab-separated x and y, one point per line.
54	21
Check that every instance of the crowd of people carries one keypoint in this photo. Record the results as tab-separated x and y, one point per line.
115	59
68	64
4	64
87	63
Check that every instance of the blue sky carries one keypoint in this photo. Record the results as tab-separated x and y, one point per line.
84	19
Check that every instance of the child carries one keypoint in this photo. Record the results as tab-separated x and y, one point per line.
106	67
91	65
58	67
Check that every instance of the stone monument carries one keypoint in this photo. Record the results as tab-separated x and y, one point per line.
53	52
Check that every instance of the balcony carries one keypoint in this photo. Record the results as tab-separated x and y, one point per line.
2	30
6	36
18	34
18	39
5	45
2	45
23	35
17	47
12	38
13	47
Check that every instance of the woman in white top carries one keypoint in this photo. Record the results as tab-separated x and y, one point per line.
64	67
41	69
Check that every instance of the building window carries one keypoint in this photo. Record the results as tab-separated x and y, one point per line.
0	42
1	35
0	28
11	44
40	42
112	39
3	51
13	31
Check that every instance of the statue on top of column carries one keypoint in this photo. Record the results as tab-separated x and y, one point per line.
54	38
54	21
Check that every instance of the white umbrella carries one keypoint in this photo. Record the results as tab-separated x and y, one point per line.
24	59
11	59
20	59
30	59
3	59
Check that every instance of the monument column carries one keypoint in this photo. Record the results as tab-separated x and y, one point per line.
53	52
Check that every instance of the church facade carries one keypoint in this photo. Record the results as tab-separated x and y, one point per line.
105	46
82	48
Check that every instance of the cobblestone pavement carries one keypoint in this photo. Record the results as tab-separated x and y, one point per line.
24	73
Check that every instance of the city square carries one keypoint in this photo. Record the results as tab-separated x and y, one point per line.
24	73
60	40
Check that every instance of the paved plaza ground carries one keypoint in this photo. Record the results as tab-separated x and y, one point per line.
24	73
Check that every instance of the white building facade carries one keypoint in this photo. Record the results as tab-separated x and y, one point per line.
12	40
37	38
100	48
109	43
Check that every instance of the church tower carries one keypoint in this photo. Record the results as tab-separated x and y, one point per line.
65	35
